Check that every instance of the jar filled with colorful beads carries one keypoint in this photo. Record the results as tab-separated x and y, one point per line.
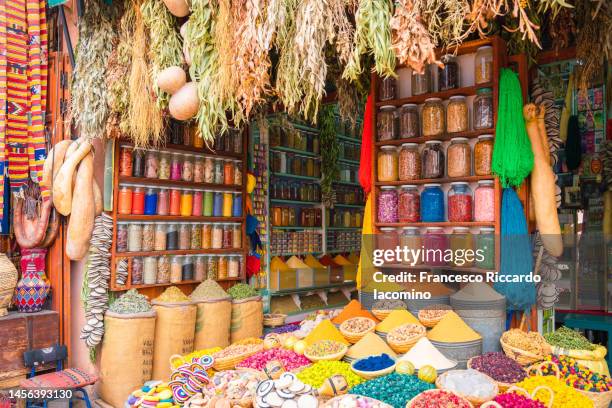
484	201
432	203
409	208
460	202
387	204
485	246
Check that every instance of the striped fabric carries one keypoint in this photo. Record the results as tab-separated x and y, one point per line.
23	76
3	65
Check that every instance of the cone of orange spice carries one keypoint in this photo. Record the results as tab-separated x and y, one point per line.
353	309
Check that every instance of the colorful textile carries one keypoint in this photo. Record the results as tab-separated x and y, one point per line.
65	379
365	162
23	90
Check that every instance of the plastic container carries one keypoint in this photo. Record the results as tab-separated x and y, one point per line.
387	204
448	76
483	109
409	204
433	160
484	201
409	121
457	114
459	158
483	155
433	117
385	123
432	203
483	65
460	202
387	163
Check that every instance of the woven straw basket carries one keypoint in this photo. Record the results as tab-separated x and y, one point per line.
229	363
274	319
330	357
424	394
600	399
428	322
524	392
523	357
404	346
503	387
353	337
473	400
8	281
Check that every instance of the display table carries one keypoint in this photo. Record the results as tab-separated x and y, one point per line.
592	322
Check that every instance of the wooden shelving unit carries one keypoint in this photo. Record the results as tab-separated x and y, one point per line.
499	58
187	285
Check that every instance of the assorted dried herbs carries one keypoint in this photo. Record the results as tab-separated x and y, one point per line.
330	152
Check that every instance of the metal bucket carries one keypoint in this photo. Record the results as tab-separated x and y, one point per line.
487	318
460	352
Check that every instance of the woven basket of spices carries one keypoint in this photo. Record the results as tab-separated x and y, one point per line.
440	398
383	308
600	399
325	350
503	386
402	338
355	328
431	315
274	319
230	356
525	348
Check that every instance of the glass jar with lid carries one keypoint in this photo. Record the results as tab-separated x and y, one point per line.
483	65
233	267
483	155
218	172
124	205
388	238
125	161
236	135
236	236
160	236
172	237
184	236
457	114
137	268
187	268
122	237
213	267
432	203
217	236
176	269
448	76
421	83
411	238
163	269
198	169
433	160
148	236
187	170
175	167
151	164
435	242
483	109
461	240
485	244
149	274
227	236
387	160
484	201
385	123
387	89
196	236
409	204
206	235
209	170
459	158
134	237
285	216
387	204
222	267
138	163
432	117
164	165
409	121
460	202
409	162
199	268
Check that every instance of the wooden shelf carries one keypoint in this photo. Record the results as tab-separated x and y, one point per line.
470	134
178	218
445	180
169	147
418	99
187	282
434	224
347	183
210	251
178	184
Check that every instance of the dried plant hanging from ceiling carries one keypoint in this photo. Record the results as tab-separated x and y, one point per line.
145	121
165	45
89	93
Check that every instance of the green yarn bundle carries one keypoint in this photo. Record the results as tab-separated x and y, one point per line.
512	154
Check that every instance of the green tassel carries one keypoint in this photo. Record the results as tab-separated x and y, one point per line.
512	154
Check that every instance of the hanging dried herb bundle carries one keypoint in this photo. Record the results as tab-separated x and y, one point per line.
117	77
330	152
145	121
481	13
89	108
444	20
229	19
200	40
372	35
526	25
412	43
165	47
350	101
345	31
594	42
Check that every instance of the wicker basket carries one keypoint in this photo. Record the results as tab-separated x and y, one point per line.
431	322
8	281
524	392
353	337
404	346
381	314
503	387
274	319
229	363
474	400
522	357
424	394
330	357
368	375
600	399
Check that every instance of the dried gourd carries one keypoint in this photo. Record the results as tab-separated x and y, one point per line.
171	79
184	103
178	8
82	217
98	198
53	162
62	186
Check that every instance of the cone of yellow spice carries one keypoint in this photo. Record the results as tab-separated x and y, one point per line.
369	345
395	319
452	329
325	331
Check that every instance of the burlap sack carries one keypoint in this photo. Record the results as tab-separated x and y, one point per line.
212	328
126	356
247	318
174	334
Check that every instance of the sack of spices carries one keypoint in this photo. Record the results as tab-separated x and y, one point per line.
174	329
214	312
247	318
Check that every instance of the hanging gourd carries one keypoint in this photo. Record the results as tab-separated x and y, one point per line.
184	103
171	79
178	8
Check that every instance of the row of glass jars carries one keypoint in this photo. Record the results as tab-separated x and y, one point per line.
228	142
178	166
290	163
295	191
344	240
349	195
294	139
165	236
296	216
143	200
292	242
435	119
406	204
349	151
348	129
448	75
151	270
461	240
345	218
407	163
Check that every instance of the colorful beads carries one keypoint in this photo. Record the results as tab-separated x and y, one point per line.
317	373
393	389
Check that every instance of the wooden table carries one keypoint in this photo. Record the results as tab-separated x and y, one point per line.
592	322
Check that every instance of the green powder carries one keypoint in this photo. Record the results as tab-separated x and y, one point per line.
207	290
242	291
130	302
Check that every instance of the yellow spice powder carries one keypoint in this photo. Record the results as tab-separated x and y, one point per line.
452	329
396	318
